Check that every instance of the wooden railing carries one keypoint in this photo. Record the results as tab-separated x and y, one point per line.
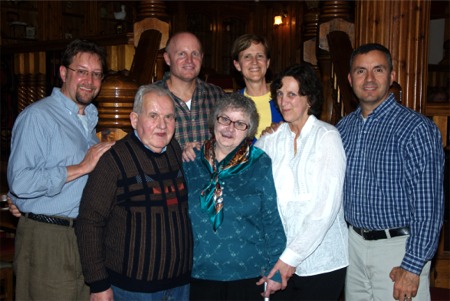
36	66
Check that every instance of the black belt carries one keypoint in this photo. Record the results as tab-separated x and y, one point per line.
51	219
381	234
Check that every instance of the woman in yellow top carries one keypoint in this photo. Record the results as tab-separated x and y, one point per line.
251	57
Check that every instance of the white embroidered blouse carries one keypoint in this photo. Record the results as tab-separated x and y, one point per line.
309	187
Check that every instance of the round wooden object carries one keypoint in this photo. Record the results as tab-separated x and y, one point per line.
115	102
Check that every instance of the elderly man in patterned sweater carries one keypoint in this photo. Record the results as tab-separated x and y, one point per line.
134	232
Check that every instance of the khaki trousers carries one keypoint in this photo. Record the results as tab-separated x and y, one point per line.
47	263
371	261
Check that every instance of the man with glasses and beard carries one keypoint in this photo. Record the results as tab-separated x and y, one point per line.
53	149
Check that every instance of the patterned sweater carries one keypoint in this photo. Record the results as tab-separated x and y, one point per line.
133	229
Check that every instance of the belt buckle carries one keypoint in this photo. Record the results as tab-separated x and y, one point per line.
366	234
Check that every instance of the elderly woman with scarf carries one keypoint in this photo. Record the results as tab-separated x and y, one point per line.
238	235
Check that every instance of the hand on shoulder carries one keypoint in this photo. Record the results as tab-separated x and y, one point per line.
189	152
272	128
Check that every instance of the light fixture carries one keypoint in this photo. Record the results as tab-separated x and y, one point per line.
278	20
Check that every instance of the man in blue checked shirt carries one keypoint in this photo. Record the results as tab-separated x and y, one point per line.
393	190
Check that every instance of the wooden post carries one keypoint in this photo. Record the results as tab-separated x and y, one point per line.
401	26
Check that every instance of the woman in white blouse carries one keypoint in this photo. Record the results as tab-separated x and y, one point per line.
308	162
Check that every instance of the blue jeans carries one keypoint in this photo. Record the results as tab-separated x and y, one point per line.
178	293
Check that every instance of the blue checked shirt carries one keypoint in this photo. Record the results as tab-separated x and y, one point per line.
394	176
192	125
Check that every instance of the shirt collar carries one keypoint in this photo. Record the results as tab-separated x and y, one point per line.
71	105
382	109
199	84
68	103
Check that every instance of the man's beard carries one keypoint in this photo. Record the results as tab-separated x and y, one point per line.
85	100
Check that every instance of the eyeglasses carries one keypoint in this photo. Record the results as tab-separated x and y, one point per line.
238	125
85	73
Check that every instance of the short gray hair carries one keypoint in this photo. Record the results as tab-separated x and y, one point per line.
239	102
145	89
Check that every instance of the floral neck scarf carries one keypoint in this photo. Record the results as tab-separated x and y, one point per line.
242	157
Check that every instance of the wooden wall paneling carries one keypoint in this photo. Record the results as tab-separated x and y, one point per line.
29	62
422	33
277	39
42	67
209	41
412	54
251	19
274	36
439	107
62	20
233	22
285	39
31	88
232	28
440	271
21	92
15	17
74	16
402	26
178	16
30	70
92	18
217	42
41	86
263	25
50	13
442	122
294	19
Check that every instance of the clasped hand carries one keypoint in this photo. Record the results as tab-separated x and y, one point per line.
286	271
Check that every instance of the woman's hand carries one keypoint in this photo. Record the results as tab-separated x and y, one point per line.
271	288
272	128
286	272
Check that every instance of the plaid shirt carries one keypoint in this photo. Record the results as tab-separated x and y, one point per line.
394	176
192	125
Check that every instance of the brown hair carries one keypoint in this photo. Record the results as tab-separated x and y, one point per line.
245	41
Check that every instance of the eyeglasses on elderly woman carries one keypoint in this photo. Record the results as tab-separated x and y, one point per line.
239	125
